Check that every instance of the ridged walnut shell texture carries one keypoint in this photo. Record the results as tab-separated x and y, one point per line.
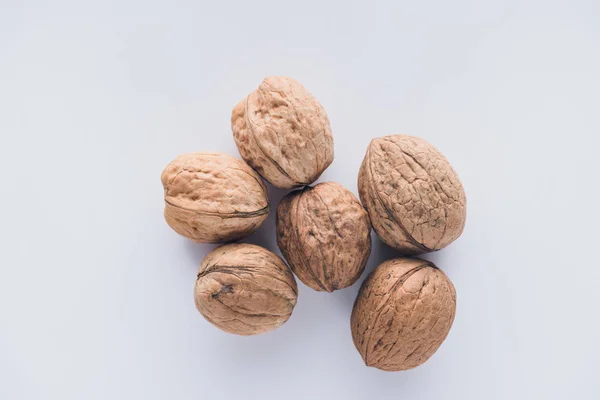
403	313
213	197
283	132
413	196
245	289
325	235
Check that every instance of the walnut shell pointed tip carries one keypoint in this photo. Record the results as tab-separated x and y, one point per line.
245	289
213	197
324	233
414	197
283	132
402	314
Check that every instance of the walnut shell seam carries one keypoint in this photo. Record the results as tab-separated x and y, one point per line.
390	214
250	124
223	270
237	214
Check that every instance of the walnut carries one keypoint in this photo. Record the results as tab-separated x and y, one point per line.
413	196
325	235
403	313
245	289
213	197
283	132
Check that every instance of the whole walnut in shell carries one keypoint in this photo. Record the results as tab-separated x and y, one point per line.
325	235
213	197
414	198
283	132
245	289
403	313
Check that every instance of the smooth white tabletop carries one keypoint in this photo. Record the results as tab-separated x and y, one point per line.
95	99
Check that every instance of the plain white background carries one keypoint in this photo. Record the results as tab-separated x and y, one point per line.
97	97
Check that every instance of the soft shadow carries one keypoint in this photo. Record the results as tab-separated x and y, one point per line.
265	236
196	252
380	252
440	257
435	257
262	351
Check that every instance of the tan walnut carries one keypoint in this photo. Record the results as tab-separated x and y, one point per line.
413	196
213	197
245	289
325	235
403	313
283	132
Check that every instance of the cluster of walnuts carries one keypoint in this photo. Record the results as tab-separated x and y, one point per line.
409	194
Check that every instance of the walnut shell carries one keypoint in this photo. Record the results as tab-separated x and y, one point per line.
403	313
245	289
325	235
213	197
283	132
413	196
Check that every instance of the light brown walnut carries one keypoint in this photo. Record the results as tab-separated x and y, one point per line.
325	235
245	289
213	197
403	313
414	198
283	132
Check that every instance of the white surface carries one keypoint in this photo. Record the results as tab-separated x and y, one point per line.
96	290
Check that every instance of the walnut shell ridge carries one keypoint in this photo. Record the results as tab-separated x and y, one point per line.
402	314
413	196
245	289
324	233
283	132
213	197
